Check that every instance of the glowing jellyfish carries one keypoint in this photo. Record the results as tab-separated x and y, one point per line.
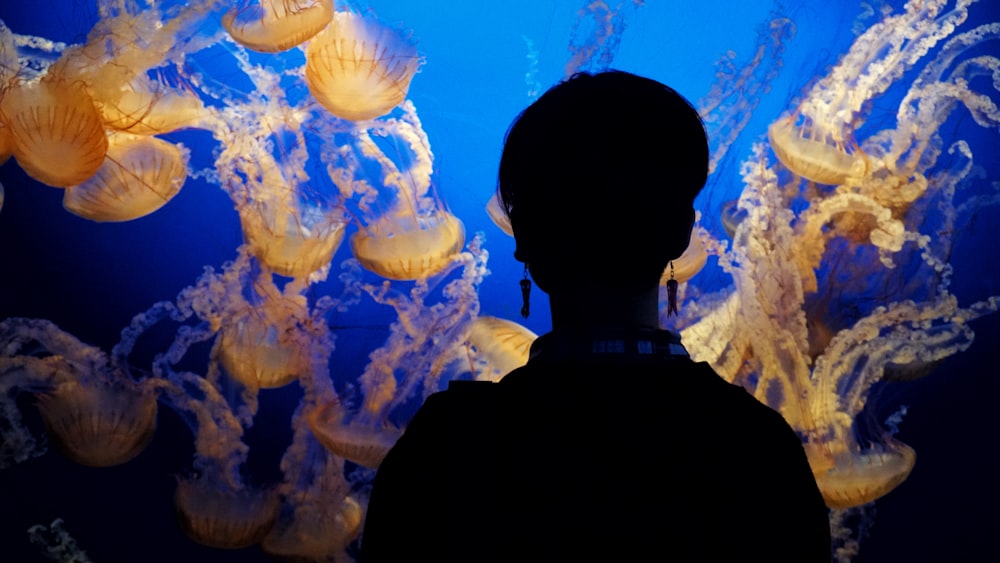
139	176
863	478
271	26
816	151
816	141
359	69
498	346
497	215
263	346
690	262
148	107
290	242
358	443
214	514
409	248
6	143
99	424
58	134
317	534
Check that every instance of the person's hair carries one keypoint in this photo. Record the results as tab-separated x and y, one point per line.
600	164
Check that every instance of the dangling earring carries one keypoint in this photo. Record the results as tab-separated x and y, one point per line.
525	293
671	292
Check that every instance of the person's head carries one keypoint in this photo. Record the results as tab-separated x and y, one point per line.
598	177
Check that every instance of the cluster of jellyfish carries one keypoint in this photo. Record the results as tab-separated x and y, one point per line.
830	214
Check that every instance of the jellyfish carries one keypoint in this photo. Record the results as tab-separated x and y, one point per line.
149	107
96	414
359	69
271	26
289	241
58	133
497	215
497	347
261	344
139	176
101	424
407	233
359	443
213	514
816	141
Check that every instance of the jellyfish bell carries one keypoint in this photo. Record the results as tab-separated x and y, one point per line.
293	243
689	263
409	247
847	480
147	107
814	151
99	424
265	346
359	69
356	442
315	539
499	345
272	26
6	143
139	176
215	514
497	215
58	133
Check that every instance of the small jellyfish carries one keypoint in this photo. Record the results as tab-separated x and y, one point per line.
731	216
272	26
291	242
99	424
140	175
314	538
356	442
816	151
689	263
497	215
213	513
359	69
58	134
498	346
409	247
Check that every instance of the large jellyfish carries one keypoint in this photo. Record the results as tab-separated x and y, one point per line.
270	26
140	175
358	68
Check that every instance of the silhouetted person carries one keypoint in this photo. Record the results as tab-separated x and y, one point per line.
611	444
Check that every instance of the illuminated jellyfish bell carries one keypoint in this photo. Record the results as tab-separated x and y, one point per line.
314	539
689	263
6	143
815	150
58	134
731	216
265	345
99	424
356	442
272	26
147	107
497	215
215	514
847	480
140	175
359	69
409	247
499	346
291	242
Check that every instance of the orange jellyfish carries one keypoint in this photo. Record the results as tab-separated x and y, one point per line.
6	143
139	176
99	424
359	69
292	242
849	480
263	346
215	514
498	346
322	531
409	247
58	134
822	152
358	442
147	107
497	215
272	26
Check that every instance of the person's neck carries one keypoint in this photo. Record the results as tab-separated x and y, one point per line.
595	309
